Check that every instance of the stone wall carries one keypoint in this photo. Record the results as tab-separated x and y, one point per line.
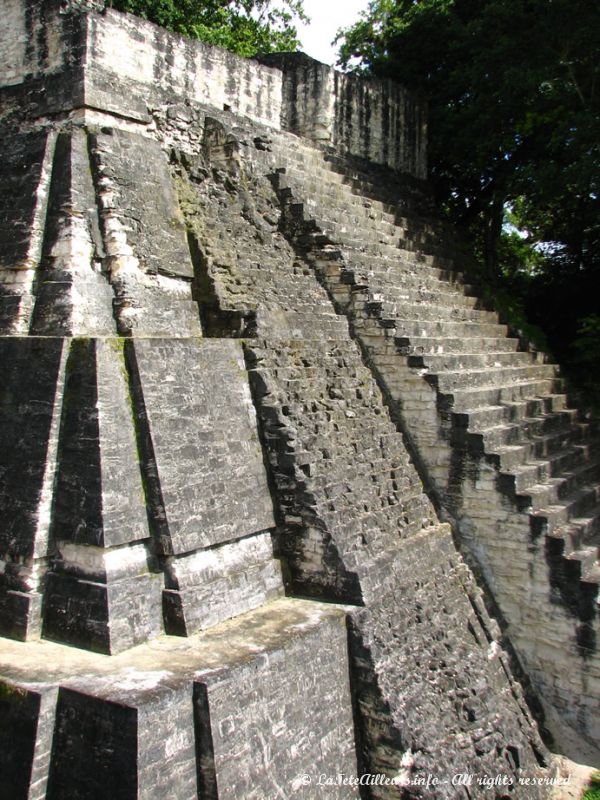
131	66
373	119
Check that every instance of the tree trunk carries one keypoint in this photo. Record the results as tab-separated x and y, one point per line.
493	218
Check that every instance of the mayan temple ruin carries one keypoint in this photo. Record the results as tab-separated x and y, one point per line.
281	498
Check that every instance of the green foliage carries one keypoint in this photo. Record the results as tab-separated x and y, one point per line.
514	108
593	793
246	27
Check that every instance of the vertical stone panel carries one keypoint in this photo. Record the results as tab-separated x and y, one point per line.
73	295
30	403
147	253
209	503
374	119
24	182
203	428
100	593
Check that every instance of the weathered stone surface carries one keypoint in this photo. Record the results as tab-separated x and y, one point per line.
209	586
31	402
25	174
487	422
99	496
376	120
147	253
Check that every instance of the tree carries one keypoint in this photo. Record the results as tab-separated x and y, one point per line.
246	27
514	103
514	98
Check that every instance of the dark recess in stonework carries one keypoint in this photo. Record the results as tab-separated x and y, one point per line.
94	749
19	711
216	322
155	506
340	585
77	512
567	588
205	763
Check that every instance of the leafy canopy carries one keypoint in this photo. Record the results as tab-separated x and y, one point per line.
246	27
514	99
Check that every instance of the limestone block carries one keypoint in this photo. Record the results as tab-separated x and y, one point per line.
209	586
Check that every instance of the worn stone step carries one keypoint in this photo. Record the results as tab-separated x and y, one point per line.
592	574
552	517
510	458
441	294
328	186
384	270
477	397
524	429
588	559
425	311
549	409
427	346
556	489
391	274
487	440
454	362
580	532
436	329
381	275
492	377
560	451
537	470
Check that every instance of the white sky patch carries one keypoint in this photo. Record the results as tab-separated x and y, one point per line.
327	17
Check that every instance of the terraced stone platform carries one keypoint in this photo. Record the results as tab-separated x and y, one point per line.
242	401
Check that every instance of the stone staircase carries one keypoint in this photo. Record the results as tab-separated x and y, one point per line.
487	417
508	403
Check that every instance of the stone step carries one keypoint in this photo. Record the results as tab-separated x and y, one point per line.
553	517
560	452
426	311
451	328
323	194
509	458
403	287
581	532
393	276
538	470
588	559
591	574
454	362
489	416
477	397
504	377
427	346
441	294
535	431
557	489
329	186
